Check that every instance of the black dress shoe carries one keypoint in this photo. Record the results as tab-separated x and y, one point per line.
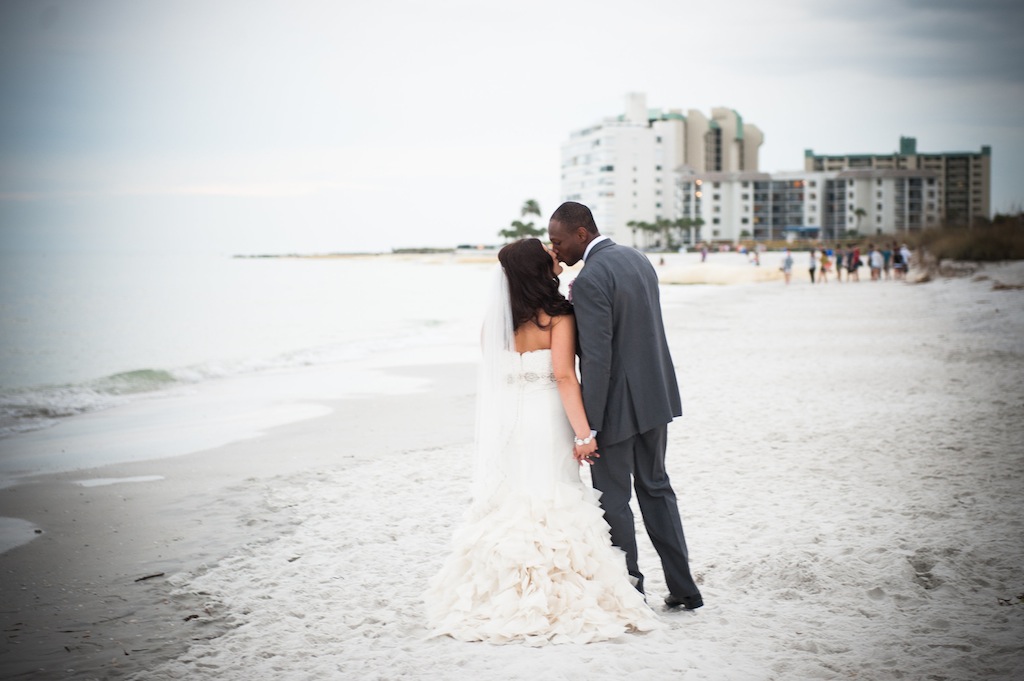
687	603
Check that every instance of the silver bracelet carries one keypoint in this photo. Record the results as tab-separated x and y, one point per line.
584	441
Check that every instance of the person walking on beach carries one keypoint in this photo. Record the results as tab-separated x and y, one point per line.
812	265
875	261
899	266
839	263
826	264
534	560
852	263
630	392
787	266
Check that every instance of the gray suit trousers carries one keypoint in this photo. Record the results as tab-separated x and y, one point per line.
643	457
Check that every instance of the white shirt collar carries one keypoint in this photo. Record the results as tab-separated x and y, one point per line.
596	240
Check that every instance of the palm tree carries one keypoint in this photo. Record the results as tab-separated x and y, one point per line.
519	230
859	214
697	224
647	227
684	225
633	226
664	226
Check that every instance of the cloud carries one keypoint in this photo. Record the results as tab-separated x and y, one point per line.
936	39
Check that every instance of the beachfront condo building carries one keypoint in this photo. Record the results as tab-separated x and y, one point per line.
832	205
964	177
626	167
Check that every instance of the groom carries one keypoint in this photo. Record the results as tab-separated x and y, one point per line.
629	391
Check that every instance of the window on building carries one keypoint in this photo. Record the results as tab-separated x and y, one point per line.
657	192
715	221
878	182
716	197
744	221
657	205
745	197
716	209
813	196
878	218
657	167
812	183
607	169
744	184
878	206
878	195
849	195
657	140
716	185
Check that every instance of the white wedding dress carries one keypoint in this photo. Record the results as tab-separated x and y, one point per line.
533	560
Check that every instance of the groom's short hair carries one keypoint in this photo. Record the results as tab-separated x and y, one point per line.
574	215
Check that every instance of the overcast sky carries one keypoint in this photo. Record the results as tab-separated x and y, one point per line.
240	126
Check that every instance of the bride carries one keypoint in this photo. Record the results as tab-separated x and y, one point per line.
533	560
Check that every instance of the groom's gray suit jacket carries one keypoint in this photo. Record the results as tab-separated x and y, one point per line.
628	380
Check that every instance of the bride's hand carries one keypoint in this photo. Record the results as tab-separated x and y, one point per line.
586	453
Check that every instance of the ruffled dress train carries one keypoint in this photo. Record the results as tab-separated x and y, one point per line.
533	559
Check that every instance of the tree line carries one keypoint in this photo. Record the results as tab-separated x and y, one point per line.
671	234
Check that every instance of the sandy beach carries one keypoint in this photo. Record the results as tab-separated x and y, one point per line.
849	467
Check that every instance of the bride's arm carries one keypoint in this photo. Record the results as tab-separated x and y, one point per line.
563	361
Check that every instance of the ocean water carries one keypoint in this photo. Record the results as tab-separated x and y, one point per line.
82	333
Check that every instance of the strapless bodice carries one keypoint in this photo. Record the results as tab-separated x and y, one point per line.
533	367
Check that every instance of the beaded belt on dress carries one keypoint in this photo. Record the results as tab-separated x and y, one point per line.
530	377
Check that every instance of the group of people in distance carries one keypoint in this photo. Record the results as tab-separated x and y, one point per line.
888	261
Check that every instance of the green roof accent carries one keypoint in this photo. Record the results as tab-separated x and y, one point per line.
908	146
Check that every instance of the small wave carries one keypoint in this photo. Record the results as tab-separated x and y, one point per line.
35	408
27	409
132	382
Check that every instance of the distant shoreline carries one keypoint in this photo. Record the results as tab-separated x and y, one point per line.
461	250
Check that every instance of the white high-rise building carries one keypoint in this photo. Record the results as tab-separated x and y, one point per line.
626	168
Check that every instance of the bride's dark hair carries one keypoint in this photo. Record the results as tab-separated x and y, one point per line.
532	282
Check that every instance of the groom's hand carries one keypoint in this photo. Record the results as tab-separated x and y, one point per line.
586	453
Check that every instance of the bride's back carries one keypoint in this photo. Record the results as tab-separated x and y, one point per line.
530	336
